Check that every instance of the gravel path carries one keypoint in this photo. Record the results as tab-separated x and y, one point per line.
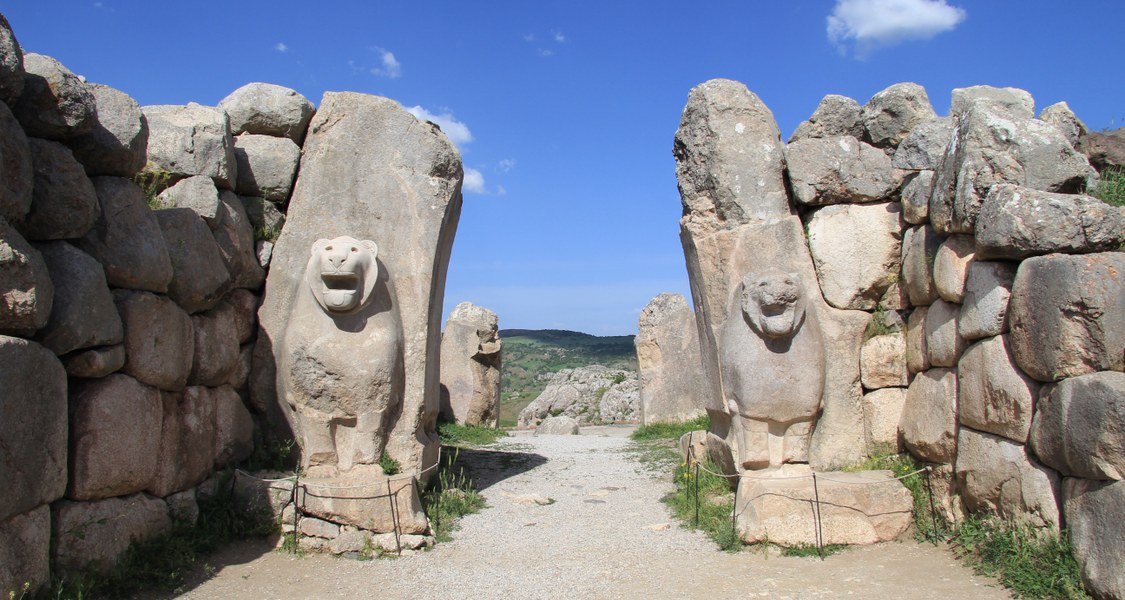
605	535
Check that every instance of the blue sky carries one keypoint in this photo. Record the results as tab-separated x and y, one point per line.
565	111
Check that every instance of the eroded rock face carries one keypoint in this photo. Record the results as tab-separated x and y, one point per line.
266	166
199	276
470	366
126	238
839	170
855	270
890	115
998	476
26	291
83	314
118	142
267	109
92	535
1079	426
995	396
1097	532
588	395
55	103
64	204
164	360
834	116
11	66
191	140
1018	222
668	359
929	418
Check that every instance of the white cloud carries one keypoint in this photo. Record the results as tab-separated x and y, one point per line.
545	52
474	181
281	47
390	67
528	37
559	37
871	24
455	130
507	164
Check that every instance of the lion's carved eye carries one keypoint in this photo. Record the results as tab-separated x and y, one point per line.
328	248
354	249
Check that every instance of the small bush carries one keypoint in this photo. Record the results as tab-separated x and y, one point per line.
450	497
389	465
671	431
1034	563
452	434
1111	188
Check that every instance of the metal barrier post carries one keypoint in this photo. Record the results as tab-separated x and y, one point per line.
816	517
392	497
933	512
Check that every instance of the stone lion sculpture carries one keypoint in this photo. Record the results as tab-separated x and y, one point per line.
342	369
772	366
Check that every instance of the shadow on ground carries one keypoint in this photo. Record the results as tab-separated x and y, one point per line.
486	467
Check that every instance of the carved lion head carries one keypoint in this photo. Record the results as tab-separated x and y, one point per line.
774	302
342	272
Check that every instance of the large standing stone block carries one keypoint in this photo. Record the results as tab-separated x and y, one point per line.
925	145
917	353
92	535
16	173
199	275
126	238
1065	314
668	360
185	452
64	204
243	307
234	234
855	270
1079	426
882	412
951	267
11	65
115	437
26	291
998	476
995	396
361	500
266	166
839	170
919	250
943	341
55	103
33	430
215	352
1097	533
268	109
118	143
883	362
916	198
470	366
834	116
25	552
890	115
987	289
198	193
191	140
83	314
159	339
1017	222
234	427
929	418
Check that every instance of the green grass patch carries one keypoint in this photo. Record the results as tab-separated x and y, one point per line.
1032	562
716	504
450	497
670	431
452	434
1111	187
152	181
389	465
811	551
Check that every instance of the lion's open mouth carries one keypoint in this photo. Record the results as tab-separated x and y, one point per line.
340	290
777	319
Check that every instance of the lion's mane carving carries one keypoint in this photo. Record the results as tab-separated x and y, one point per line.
342	272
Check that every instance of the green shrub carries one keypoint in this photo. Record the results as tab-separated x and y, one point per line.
1032	562
152	181
389	465
671	431
452	434
1111	188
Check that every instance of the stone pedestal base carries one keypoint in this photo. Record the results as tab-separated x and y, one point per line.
363	501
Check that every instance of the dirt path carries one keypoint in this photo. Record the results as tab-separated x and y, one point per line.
605	535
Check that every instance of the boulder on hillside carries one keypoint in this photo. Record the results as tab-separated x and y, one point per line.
118	142
579	393
834	116
55	103
126	238
1018	222
191	140
890	115
64	204
267	109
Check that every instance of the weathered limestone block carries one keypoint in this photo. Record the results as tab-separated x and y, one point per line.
191	140
1097	533
55	103
126	238
199	276
1104	148
347	499
839	170
882	362
93	363
235	237
834	116
268	109
882	412
26	291
1014	102
774	330
916	198
923	148
854	270
929	418
118	143
263	214
895	298
83	314
33	430
998	476
25	552
1018	222
215	352
943	341
994	395
992	147
854	508
185	451
115	437
163	360
919	250
1079	426
266	166
16	173
917	353
729	156
198	193
668	360
11	66
318	528
92	535
557	425
63	202
890	115
1065	314
470	366
987	289
371	171
234	428
1060	115
951	267
243	306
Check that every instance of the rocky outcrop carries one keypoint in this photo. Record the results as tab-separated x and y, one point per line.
470	366
582	393
670	367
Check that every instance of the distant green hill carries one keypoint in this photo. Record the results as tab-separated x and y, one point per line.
531	355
